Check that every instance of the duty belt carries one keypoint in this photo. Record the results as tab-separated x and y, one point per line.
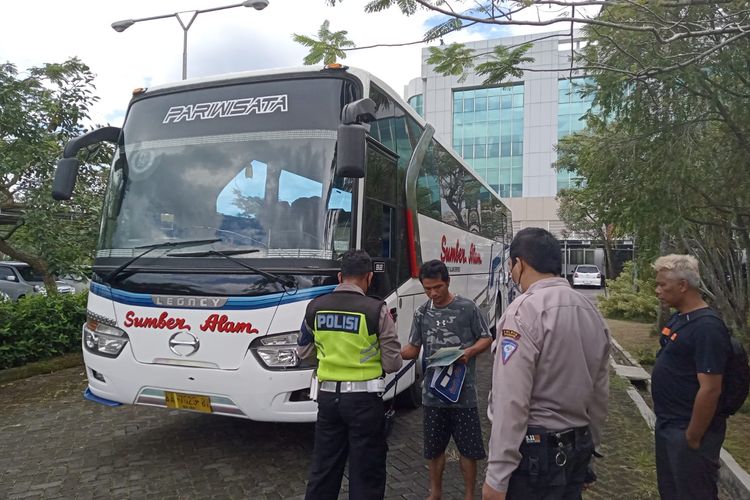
376	385
554	439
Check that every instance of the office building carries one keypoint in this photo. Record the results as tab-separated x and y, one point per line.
507	132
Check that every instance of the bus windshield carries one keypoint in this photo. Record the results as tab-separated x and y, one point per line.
196	164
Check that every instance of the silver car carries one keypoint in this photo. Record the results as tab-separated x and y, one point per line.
18	279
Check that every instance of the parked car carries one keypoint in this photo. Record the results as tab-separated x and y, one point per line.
79	282
587	275
18	279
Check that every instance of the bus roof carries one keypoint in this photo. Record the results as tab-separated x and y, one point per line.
364	76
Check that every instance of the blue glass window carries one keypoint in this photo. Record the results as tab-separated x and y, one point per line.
488	130
571	108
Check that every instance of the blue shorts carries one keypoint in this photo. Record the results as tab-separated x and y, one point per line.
440	423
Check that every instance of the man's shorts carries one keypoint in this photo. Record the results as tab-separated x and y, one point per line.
462	423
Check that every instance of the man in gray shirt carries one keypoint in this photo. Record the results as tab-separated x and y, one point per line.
447	320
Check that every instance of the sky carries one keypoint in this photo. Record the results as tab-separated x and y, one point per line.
150	52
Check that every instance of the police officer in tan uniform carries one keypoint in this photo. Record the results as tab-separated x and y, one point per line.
550	381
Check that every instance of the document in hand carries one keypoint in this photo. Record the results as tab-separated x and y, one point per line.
444	356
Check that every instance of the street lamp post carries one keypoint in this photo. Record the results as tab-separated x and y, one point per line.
121	26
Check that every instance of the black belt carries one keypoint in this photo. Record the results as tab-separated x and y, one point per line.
554	439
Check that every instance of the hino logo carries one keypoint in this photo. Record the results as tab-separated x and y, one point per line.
224	109
184	343
193	302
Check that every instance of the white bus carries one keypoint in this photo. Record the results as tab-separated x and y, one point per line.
229	201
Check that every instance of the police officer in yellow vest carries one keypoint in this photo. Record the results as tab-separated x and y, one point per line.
356	343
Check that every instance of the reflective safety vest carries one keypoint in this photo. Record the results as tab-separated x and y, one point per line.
346	328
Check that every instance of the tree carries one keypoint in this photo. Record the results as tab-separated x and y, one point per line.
582	212
40	110
673	145
669	146
666	25
327	47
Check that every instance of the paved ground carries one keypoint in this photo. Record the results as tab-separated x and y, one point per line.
54	444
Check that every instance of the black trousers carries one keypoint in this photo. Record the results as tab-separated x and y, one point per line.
552	472
682	472
349	425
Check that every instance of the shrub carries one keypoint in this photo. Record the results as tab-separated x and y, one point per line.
646	355
626	301
38	327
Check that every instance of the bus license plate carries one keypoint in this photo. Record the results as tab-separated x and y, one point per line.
187	401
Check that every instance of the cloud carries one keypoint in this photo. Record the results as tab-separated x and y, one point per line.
238	39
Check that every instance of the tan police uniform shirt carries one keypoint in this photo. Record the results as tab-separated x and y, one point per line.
550	370
390	347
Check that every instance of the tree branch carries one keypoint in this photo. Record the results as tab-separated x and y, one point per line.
636	27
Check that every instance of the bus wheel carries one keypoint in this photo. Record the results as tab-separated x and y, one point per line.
411	398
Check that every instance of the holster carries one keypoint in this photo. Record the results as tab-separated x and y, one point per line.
545	454
535	458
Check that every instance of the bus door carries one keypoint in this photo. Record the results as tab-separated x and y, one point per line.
380	219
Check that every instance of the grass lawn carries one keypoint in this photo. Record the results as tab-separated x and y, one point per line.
628	469
641	341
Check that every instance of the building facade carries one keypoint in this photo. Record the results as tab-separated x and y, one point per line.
507	133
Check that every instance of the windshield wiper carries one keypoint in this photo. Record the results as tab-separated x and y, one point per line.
149	248
227	254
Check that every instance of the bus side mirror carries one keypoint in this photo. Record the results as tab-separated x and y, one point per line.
67	168
352	138
350	151
65	178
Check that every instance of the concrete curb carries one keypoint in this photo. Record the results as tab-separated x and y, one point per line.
733	477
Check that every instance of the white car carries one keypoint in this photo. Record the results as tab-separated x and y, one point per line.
587	275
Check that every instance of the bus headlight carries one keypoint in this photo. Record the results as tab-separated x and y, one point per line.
279	351
102	339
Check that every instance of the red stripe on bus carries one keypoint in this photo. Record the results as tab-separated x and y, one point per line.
411	244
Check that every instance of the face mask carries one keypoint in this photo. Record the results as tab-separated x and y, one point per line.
516	287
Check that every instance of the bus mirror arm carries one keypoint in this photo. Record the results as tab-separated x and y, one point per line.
108	134
358	112
67	167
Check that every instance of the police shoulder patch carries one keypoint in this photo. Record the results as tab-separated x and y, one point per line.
511	334
509	347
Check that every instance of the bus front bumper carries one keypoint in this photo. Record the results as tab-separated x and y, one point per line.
249	392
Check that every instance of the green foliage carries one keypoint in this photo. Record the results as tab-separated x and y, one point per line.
443	29
455	59
628	300
663	157
40	109
504	62
646	355
408	7
328	47
458	60
38	327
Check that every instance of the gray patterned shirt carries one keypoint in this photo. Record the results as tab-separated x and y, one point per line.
459	323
